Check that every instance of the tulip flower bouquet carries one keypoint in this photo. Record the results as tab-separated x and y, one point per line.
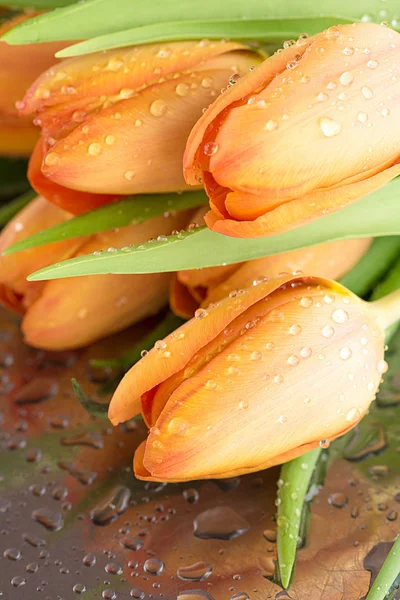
237	161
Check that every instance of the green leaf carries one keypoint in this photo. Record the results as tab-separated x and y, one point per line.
9	210
295	478
263	30
387	575
388	285
129	358
376	215
130	211
92	407
372	266
84	20
13	179
38	4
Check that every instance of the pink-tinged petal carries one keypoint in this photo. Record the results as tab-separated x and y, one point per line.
255	404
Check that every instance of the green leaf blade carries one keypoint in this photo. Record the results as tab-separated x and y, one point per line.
387	575
262	30
129	211
295	481
375	215
92	18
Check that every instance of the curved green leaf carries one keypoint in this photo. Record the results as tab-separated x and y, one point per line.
295	478
9	210
130	211
387	575
263	30
372	266
375	215
92	18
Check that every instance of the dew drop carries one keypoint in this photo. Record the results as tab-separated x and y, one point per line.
177	426
372	64
89	560
210	148
327	331
153	566
324	444
196	572
329	127
382	366
271	125
52	159
338	500
367	92
200	313
362	117
345	353
182	89
282	419
293	360
18	581
110	140
158	108
295	329
306	352
346	78
322	97
354	414
385	112
94	149
340	316
79	588
306	301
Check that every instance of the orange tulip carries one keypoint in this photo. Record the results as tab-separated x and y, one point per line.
201	287
310	130
69	313
19	67
116	122
259	378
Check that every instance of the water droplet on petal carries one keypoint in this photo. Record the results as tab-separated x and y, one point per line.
182	89
345	353
367	92
346	78
52	159
94	149
382	366
340	316
327	331
362	117
210	148
271	125
385	112
372	64
329	127
158	108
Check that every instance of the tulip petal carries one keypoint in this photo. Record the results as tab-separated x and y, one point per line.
183	344
75	312
107	73
181	299
119	149
140	470
14	268
255	416
301	210
73	201
330	260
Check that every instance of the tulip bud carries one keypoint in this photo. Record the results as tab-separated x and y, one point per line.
201	287
69	313
112	120
255	380
19	66
310	130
